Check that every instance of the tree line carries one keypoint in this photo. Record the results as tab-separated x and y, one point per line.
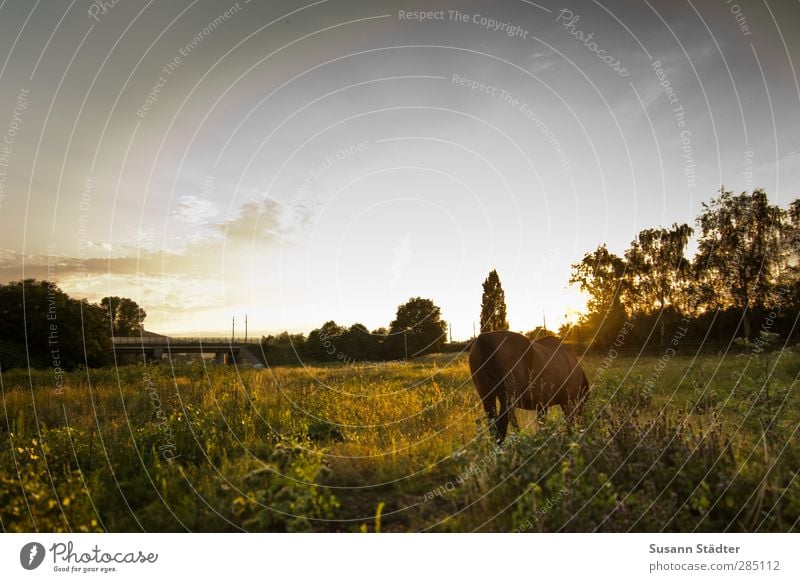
744	278
417	329
41	326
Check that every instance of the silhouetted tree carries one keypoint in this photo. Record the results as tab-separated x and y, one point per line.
124	315
285	348
417	325
601	274
739	252
789	276
323	343
380	345
356	344
790	244
538	332
493	304
657	272
42	326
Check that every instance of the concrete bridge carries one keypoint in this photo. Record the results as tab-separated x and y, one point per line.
225	350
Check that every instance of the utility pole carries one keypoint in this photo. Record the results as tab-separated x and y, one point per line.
451	332
544	321
473	329
245	328
233	328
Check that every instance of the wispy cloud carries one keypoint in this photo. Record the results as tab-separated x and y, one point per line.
195	211
541	62
212	268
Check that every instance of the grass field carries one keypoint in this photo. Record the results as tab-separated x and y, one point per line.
691	444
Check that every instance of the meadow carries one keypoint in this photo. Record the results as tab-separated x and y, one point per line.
688	443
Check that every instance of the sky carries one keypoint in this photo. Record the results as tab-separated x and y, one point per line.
305	161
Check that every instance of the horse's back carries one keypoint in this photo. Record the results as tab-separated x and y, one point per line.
550	341
559	369
497	357
503	345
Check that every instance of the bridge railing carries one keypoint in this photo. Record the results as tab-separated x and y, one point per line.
162	341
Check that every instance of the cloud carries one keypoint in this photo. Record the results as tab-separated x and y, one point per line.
195	211
541	62
259	222
214	266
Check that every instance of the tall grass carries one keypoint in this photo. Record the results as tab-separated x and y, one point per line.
401	448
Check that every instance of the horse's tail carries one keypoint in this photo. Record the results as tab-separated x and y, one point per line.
493	371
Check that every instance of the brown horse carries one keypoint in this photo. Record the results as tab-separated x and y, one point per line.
509	368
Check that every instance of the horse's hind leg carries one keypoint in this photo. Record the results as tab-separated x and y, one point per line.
511	412
519	381
502	419
490	408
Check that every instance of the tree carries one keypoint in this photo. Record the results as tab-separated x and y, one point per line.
493	304
657	271
284	348
789	276
790	244
601	274
418	327
123	315
357	344
42	326
321	343
739	252
537	333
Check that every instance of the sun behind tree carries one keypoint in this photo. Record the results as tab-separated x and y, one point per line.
493	304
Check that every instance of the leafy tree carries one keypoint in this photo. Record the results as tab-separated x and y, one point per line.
600	274
333	342
538	333
123	315
285	348
380	345
657	271
657	268
42	326
417	326
314	350
739	252
322	343
789	276
357	344
790	244
493	304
